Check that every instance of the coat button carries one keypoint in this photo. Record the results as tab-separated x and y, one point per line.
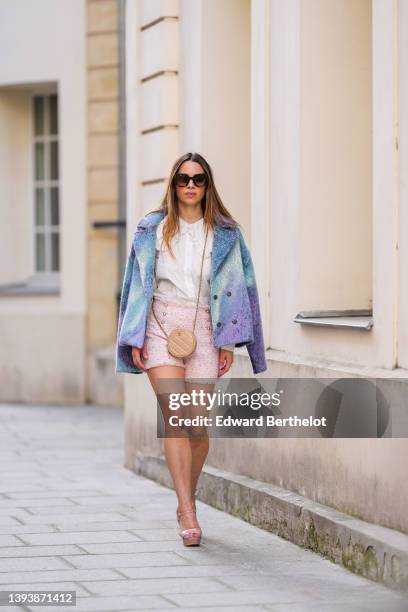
215	297
234	321
228	292
218	324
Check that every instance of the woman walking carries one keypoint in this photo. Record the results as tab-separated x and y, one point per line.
189	296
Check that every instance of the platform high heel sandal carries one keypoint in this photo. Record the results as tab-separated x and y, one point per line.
191	536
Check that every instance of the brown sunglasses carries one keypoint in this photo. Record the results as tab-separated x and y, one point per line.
182	180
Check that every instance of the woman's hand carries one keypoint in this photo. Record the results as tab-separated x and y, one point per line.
138	354
226	359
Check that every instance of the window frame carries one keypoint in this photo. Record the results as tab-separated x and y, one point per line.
47	276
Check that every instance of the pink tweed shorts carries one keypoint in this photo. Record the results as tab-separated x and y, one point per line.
203	363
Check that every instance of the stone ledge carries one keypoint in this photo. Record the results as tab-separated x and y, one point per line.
314	366
375	552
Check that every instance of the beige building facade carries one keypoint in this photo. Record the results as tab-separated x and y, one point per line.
43	188
300	107
59	276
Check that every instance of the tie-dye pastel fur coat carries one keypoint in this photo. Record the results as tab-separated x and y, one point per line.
234	302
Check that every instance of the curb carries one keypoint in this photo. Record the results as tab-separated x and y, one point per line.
375	552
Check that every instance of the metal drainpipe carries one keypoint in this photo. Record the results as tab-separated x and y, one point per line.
121	147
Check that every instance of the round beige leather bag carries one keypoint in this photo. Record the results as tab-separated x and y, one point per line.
182	342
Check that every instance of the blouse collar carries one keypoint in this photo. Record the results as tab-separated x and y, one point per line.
193	229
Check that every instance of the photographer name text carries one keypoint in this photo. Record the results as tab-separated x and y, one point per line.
259	421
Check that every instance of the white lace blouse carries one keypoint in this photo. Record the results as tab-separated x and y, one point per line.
179	278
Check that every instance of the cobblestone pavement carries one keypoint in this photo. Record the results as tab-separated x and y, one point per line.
73	518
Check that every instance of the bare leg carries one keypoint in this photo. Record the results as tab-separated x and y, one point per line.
199	450
199	441
177	450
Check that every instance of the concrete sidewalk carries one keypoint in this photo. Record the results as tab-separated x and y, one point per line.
73	518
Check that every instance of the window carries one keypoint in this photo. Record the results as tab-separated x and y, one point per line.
46	184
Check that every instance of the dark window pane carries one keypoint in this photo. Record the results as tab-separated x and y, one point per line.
54	251
40	252
54	206
38	115
53	115
39	207
54	160
39	161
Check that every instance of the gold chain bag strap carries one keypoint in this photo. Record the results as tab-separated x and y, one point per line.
183	342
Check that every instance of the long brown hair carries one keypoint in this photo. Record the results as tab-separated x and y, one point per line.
214	211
